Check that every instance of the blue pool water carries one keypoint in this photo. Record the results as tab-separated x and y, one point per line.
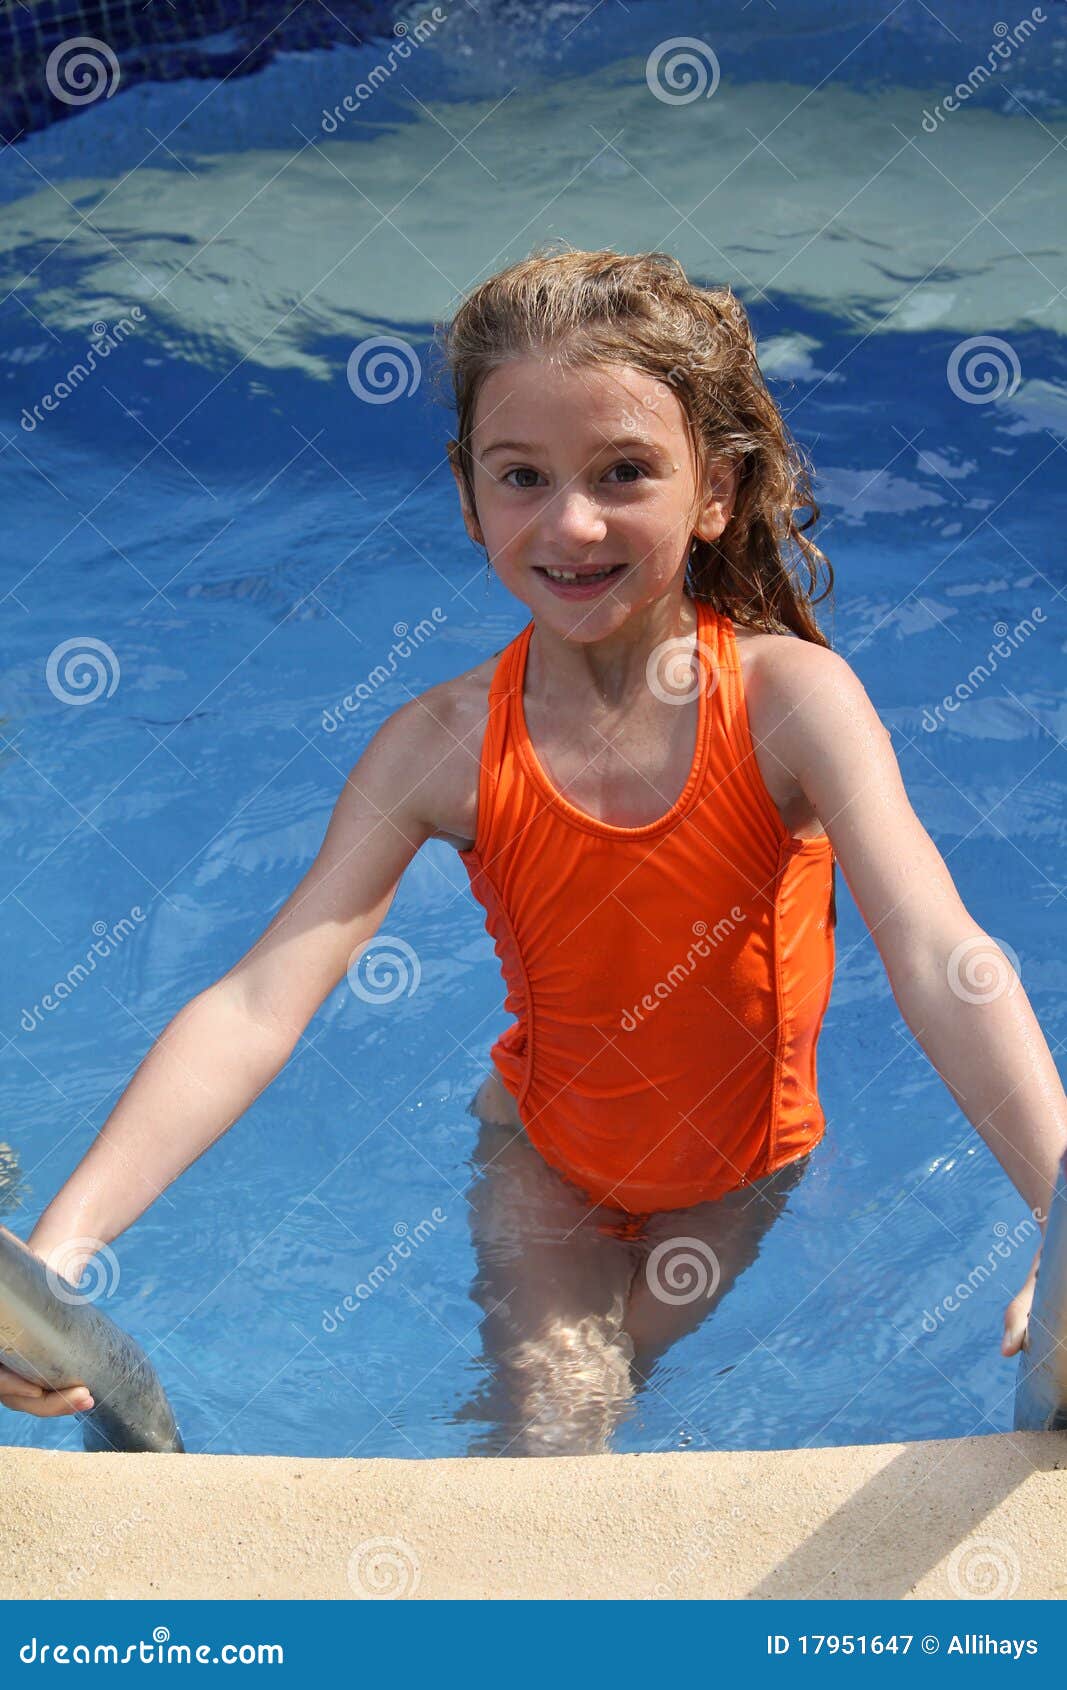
249	541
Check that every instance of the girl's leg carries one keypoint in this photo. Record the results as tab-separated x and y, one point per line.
692	1257
554	1292
494	1104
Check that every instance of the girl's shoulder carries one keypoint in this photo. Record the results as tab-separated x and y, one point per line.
787	683
776	667
800	697
786	659
447	726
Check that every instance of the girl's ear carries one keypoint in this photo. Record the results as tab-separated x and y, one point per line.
470	521
718	505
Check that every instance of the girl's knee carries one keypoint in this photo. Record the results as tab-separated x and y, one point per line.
570	1383
572	1355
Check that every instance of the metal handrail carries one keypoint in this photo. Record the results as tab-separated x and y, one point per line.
52	1334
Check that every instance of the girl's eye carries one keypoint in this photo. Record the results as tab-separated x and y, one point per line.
524	487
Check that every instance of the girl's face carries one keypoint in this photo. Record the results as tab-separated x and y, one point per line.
585	469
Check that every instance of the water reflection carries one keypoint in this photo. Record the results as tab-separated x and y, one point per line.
13	1190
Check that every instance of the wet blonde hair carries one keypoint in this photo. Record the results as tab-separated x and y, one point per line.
641	309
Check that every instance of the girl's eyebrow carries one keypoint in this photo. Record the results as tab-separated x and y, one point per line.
622	440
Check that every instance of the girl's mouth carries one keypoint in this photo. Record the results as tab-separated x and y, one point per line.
583	586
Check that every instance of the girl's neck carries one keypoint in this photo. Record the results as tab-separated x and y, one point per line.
586	677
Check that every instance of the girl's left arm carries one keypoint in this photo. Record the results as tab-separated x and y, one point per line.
954	987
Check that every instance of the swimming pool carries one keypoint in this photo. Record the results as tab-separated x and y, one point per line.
272	561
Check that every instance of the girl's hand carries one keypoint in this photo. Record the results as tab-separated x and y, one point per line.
1017	1313
22	1394
19	1393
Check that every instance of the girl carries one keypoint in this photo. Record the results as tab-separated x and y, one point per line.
649	787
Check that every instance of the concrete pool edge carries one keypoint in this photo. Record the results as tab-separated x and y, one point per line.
948	1518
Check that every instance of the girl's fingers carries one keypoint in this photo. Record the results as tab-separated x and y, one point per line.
1016	1317
55	1402
13	1384
1012	1340
19	1393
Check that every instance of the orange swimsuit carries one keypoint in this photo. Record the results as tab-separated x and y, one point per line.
670	980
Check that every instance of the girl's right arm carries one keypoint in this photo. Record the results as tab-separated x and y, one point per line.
226	1044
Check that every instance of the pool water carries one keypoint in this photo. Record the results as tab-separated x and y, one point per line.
251	541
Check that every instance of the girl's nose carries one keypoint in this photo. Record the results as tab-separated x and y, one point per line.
574	515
